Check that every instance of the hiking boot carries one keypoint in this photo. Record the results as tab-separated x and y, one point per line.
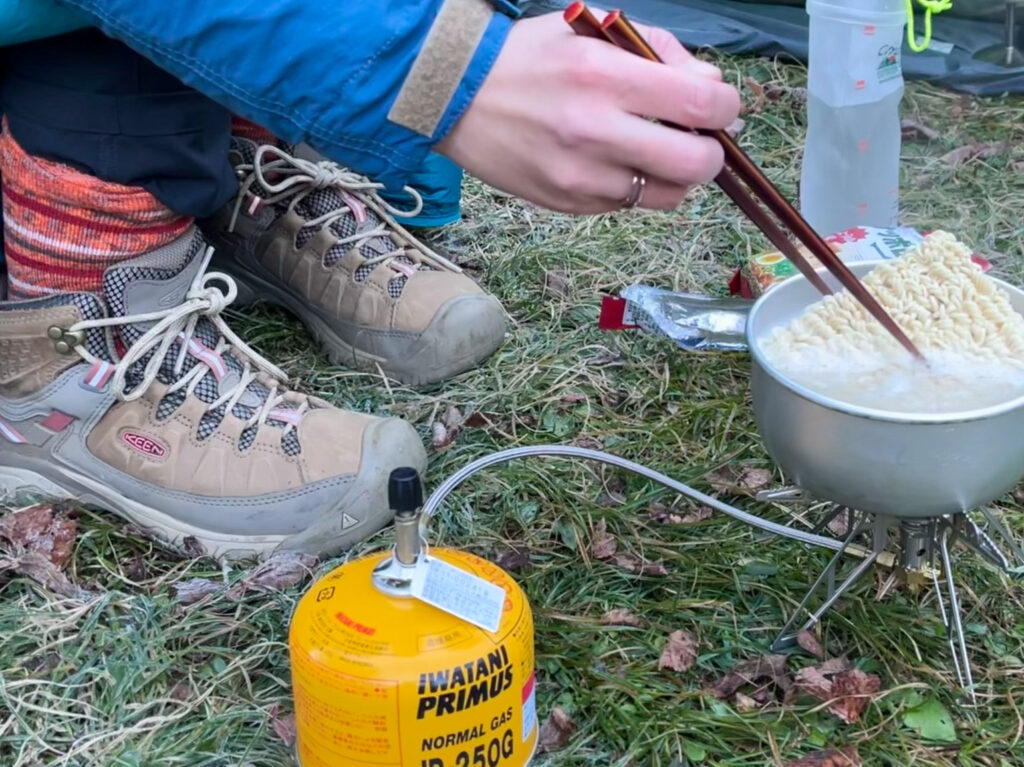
318	240
145	402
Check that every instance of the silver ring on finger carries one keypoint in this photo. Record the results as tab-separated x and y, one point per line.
636	192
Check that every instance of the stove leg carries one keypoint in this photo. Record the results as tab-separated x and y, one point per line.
996	523
788	637
952	619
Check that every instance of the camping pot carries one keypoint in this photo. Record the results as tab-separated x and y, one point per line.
892	463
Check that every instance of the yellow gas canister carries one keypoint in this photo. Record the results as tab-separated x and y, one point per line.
389	680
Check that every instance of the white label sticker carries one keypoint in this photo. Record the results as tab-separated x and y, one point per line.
459	593
529	708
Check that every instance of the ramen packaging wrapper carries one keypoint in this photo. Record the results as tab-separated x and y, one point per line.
705	323
763	272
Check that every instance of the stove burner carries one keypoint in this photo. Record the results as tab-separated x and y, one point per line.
923	549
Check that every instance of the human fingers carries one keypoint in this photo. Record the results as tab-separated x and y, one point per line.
673	53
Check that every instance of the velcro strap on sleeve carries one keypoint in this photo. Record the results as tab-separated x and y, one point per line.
441	64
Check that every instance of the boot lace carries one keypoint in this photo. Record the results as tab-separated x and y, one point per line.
178	324
291	178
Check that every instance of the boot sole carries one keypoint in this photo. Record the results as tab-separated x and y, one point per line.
421	369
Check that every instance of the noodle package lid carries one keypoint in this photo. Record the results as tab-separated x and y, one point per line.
763	272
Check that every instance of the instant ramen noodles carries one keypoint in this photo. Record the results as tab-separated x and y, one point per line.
961	320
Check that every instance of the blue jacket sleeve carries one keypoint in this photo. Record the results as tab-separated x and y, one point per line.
322	72
25	20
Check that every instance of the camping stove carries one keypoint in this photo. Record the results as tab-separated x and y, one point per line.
917	548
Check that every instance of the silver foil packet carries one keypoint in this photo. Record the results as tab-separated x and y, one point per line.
695	322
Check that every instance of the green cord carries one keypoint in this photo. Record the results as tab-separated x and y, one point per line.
930	7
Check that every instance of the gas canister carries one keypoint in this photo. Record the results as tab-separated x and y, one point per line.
386	679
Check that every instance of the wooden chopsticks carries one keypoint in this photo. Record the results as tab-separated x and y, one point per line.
617	29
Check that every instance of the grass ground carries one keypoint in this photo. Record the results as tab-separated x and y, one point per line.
130	677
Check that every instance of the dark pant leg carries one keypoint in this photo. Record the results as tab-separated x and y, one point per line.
90	102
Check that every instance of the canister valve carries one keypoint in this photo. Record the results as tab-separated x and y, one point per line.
405	498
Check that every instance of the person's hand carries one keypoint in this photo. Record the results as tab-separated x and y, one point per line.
560	120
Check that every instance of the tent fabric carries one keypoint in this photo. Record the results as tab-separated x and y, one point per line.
771	29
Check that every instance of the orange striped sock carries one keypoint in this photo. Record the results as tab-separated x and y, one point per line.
249	130
63	228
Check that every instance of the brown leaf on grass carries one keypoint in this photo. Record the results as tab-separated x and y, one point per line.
745	703
136	569
41	529
664	515
477	420
39	568
283	726
621	617
810	644
615	493
191	591
440	436
639	566
182	691
193	548
557	284
811	681
589	443
853	690
513	559
571	398
680	652
770	667
975	150
834	666
842	757
917	129
776	92
279	572
757	91
745	480
602	543
556	731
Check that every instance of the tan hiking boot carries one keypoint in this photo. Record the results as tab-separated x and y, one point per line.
147	404
318	240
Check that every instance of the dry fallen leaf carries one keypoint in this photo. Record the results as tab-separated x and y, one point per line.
637	565
621	617
556	731
281	571
615	493
914	129
440	435
834	666
513	559
853	690
193	548
745	480
810	644
975	150
757	91
41	529
753	479
284	726
191	591
745	703
680	652
843	757
602	543
40	569
663	515
557	284
182	691
771	667
812	682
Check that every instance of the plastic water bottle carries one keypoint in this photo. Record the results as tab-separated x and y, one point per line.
852	155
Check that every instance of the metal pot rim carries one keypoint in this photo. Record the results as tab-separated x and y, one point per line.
891	416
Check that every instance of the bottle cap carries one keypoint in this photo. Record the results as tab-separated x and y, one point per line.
405	491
